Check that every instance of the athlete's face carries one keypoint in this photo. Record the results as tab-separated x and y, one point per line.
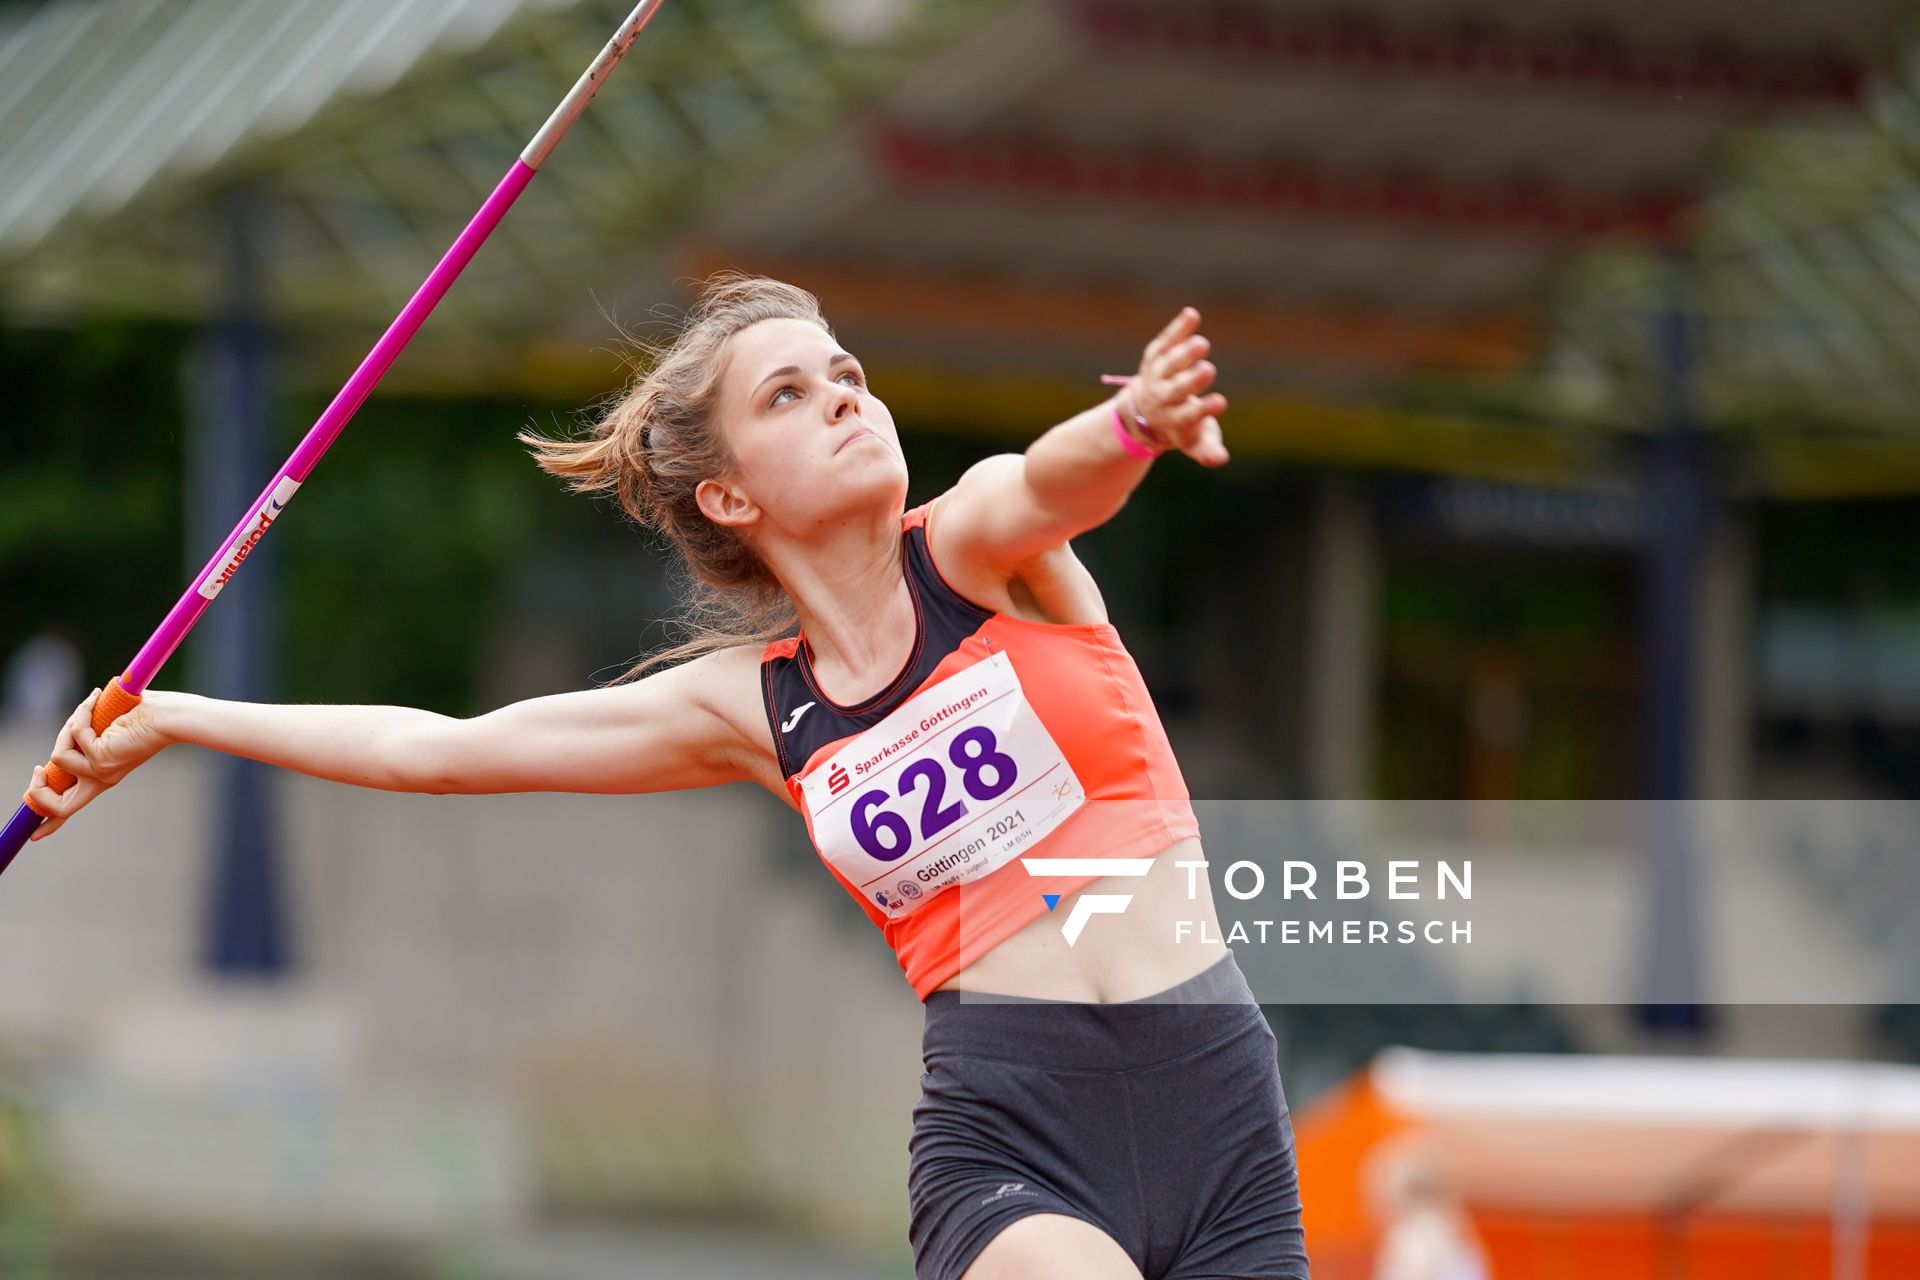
811	442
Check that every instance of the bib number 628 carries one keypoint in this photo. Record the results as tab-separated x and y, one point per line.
985	773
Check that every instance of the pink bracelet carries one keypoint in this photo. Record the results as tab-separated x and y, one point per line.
1128	441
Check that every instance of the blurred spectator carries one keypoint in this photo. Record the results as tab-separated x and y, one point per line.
1426	1234
42	683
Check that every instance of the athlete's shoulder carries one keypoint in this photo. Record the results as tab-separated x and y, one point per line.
943	544
727	683
986	480
728	679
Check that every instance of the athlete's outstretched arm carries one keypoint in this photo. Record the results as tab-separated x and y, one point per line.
1007	509
688	726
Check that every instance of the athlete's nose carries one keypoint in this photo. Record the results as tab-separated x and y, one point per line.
845	402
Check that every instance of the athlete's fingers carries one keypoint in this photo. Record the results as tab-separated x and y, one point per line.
103	751
58	805
48	801
63	743
63	740
47	827
73	761
44	800
1183	323
82	715
1191	382
1211	449
1183	420
1164	387
1176	329
1181	356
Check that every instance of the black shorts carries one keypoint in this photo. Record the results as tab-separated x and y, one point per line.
1161	1121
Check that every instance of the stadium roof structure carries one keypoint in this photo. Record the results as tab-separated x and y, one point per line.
371	130
1422	240
1438	240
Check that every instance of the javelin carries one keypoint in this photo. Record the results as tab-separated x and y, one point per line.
123	692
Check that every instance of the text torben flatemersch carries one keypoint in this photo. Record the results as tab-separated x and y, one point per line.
1245	881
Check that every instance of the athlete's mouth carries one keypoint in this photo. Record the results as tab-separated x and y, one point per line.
855	435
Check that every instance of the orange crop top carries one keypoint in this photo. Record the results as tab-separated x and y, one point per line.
933	791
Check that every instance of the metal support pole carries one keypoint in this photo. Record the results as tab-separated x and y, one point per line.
232	654
1679	509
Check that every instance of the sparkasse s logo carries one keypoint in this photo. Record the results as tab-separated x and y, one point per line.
1088	905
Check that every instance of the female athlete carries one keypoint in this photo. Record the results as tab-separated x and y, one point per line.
939	694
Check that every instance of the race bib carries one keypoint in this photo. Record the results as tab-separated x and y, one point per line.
956	783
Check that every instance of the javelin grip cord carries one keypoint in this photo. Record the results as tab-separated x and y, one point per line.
123	693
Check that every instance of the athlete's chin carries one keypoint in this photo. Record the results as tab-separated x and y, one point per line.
864	476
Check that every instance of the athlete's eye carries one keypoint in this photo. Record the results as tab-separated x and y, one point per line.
859	380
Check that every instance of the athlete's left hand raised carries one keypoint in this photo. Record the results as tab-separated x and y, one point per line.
1171	391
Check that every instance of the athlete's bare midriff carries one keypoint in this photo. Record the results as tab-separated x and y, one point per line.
1123	956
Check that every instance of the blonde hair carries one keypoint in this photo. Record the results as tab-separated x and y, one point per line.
661	437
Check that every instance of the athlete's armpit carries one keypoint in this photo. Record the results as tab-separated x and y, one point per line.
1055	587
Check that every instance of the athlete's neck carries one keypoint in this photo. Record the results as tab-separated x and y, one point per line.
849	588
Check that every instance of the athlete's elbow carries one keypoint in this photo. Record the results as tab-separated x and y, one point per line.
423	758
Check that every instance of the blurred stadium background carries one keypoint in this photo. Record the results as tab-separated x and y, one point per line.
1570	346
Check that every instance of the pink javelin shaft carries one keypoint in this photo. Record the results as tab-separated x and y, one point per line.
326	429
279	491
267	508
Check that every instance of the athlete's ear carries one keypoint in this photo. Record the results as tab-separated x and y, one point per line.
726	504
